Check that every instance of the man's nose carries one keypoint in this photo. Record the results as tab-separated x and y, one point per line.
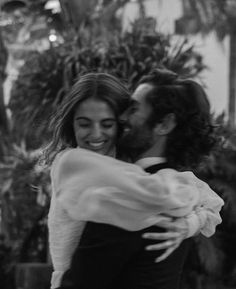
124	117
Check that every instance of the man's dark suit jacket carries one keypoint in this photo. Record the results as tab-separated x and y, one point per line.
108	257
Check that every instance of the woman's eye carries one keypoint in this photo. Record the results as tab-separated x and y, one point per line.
83	125
108	124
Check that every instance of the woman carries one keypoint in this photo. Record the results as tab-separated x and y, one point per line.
122	194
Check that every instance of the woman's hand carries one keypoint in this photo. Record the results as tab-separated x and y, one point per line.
177	231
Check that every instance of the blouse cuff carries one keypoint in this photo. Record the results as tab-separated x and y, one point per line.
194	224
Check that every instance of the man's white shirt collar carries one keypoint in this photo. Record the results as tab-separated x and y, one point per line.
147	162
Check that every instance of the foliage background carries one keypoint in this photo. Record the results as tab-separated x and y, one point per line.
42	83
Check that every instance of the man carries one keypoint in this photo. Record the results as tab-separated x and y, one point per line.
168	125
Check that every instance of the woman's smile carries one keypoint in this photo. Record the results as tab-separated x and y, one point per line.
95	126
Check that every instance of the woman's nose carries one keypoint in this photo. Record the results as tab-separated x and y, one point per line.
97	131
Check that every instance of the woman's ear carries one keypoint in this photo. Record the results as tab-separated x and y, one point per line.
167	125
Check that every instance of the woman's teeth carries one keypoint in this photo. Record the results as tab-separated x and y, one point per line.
96	144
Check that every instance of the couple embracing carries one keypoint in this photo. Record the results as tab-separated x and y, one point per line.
125	203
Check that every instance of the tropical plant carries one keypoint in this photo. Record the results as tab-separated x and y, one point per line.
133	54
212	262
35	94
46	77
25	195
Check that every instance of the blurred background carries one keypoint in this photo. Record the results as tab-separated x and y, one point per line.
44	46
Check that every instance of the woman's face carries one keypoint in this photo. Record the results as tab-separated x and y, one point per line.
95	126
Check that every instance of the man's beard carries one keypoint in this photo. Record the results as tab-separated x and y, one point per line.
134	143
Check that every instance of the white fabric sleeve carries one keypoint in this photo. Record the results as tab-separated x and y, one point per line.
208	209
206	215
193	224
93	187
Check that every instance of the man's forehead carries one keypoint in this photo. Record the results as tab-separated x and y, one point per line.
141	91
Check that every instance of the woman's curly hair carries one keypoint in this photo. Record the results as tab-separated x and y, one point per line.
194	136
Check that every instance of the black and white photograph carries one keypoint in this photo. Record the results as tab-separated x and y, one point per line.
117	144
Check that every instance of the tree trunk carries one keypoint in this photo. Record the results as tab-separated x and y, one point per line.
75	12
232	79
3	61
78	12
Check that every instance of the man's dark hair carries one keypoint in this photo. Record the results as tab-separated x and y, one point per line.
193	137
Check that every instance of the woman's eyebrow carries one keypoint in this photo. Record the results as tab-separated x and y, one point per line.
88	119
82	118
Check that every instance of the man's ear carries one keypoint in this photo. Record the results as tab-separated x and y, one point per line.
167	125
